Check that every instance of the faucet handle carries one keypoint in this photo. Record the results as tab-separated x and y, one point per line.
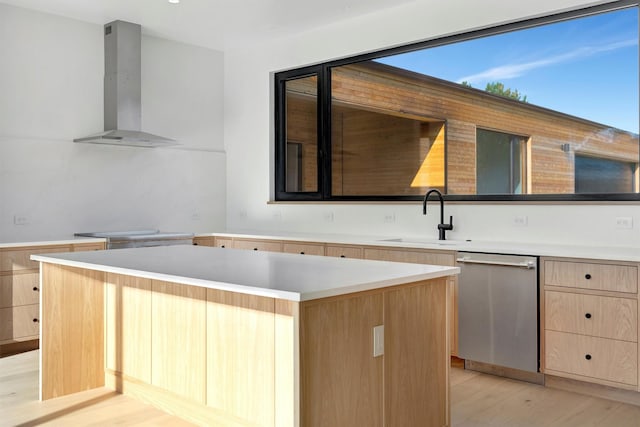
447	226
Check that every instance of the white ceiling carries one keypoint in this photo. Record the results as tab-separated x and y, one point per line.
216	24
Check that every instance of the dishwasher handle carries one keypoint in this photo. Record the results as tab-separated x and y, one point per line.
526	264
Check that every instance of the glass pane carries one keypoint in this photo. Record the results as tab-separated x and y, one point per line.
571	86
598	175
379	149
499	158
302	135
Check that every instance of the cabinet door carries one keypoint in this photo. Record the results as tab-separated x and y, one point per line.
178	339
19	259
19	289
303	248
341	381
128	326
416	355
258	245
343	251
241	356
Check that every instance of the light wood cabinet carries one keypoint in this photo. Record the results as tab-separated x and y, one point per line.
303	248
344	251
223	242
445	258
590	321
204	241
258	245
20	294
178	339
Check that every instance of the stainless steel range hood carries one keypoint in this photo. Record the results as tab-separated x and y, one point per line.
122	90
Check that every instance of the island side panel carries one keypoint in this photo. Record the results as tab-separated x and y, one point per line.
178	339
416	369
341	381
241	356
72	330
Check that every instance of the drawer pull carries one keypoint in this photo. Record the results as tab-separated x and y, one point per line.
342	256
588	315
587	356
302	253
222	246
255	249
195	243
35	320
35	288
587	276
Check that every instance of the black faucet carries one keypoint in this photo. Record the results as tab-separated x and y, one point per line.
442	227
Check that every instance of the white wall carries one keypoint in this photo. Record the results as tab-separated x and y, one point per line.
51	80
249	136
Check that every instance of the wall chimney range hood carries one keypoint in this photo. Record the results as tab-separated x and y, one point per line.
122	90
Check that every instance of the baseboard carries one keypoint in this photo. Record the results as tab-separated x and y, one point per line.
501	371
10	349
595	390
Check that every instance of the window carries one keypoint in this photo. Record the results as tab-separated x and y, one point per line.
500	163
598	175
544	109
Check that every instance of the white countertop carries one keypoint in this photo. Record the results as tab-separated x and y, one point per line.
286	276
63	240
513	248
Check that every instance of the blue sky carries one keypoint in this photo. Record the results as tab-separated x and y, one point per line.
585	67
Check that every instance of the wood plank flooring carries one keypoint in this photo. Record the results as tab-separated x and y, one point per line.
478	400
19	405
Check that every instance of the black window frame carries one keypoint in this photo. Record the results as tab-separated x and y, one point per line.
323	71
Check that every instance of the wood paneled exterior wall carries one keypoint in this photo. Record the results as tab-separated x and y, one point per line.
377	115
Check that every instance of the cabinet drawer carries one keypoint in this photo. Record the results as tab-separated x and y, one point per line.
597	358
605	317
303	248
19	289
204	241
605	277
81	247
258	245
19	322
343	251
222	242
18	259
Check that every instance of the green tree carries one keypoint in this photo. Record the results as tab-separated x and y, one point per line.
498	88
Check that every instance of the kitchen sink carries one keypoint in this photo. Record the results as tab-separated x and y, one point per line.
425	241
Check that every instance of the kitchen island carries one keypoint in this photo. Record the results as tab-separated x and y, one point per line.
238	338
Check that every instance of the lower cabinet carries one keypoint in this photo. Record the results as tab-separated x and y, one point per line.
590	321
237	359
20	294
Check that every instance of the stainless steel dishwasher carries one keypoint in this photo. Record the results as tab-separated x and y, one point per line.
498	310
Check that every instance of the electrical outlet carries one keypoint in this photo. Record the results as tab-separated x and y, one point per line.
378	340
624	222
277	216
520	220
20	220
390	218
195	216
327	216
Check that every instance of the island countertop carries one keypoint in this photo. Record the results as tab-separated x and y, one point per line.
291	277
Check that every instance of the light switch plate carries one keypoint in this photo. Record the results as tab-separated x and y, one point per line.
624	222
378	340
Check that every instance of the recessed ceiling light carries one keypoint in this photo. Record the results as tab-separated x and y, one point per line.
174	1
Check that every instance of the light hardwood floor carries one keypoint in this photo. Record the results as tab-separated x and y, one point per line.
478	400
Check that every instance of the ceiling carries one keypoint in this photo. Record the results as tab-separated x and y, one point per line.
216	24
